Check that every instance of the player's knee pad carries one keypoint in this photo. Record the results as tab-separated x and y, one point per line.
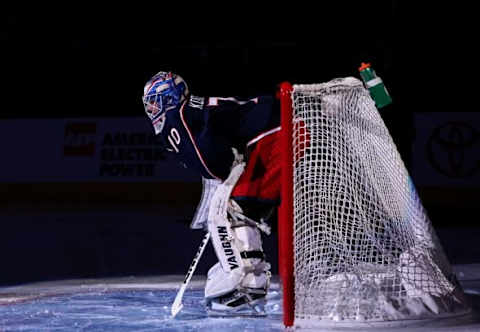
249	241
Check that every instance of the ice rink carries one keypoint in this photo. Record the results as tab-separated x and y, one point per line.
143	304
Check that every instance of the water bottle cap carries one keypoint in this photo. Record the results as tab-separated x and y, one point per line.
364	66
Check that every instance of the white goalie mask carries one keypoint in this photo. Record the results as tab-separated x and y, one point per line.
163	92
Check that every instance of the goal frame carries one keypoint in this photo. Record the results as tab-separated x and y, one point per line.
285	210
286	258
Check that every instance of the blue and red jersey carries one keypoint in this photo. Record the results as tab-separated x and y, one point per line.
203	131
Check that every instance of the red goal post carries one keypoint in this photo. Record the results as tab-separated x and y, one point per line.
285	215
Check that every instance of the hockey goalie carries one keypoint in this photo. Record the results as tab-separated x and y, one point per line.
231	143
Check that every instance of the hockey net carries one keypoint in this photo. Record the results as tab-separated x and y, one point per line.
364	249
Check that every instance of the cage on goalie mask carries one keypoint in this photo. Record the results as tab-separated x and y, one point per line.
163	92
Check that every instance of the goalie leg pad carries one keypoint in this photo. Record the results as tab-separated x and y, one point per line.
249	241
241	276
249	271
220	282
229	272
222	236
225	297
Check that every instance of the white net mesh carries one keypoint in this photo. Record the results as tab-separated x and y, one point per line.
364	248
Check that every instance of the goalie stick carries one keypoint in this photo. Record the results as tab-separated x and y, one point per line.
177	304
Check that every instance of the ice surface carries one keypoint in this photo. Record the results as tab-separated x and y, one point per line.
140	304
125	310
120	306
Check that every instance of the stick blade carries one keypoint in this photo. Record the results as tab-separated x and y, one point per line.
176	307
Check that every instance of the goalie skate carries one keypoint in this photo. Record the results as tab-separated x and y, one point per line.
241	302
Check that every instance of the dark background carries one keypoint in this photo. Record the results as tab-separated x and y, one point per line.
93	62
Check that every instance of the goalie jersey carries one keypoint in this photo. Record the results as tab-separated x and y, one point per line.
203	131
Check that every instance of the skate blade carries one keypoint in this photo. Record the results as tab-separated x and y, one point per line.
252	310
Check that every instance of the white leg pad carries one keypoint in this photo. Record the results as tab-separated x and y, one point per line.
220	282
248	239
222	237
249	273
233	271
236	272
228	273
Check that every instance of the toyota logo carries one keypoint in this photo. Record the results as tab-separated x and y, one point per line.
453	148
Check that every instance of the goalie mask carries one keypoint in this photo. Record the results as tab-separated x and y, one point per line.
163	92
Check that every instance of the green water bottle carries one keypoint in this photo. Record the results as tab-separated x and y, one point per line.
375	85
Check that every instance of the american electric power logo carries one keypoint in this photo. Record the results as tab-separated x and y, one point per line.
130	154
453	150
114	153
79	139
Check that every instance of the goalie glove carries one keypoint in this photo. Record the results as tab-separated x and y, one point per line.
209	186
